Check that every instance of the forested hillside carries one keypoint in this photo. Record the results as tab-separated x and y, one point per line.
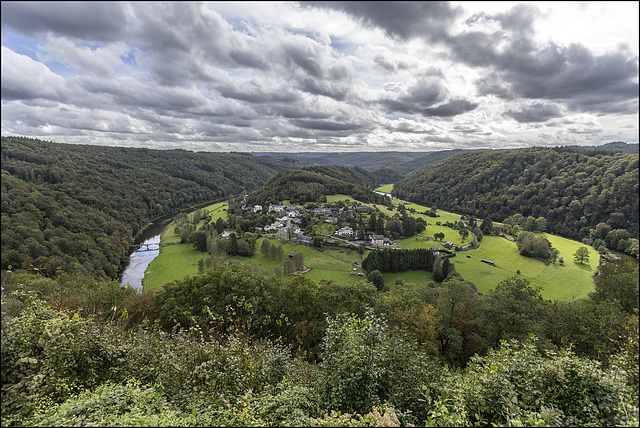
400	162
72	207
314	183
237	345
574	189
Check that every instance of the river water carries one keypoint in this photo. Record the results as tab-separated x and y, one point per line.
148	248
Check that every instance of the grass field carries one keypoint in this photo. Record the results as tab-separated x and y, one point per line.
174	262
569	282
557	282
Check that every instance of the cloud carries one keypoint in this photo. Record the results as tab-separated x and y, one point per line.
312	75
91	21
403	19
537	112
26	79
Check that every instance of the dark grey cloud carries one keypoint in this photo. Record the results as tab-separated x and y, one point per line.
523	67
519	19
403	19
426	96
326	125
451	108
93	21
537	112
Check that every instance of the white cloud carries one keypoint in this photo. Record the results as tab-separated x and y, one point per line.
286	76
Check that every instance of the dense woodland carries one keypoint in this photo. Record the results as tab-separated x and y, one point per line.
573	189
314	183
239	346
78	207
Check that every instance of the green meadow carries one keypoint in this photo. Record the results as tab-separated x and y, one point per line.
569	281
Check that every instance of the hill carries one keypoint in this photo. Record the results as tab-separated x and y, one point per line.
620	146
401	162
574	189
70	206
314	183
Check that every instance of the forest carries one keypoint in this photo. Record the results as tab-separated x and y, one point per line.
314	183
238	346
69	207
573	189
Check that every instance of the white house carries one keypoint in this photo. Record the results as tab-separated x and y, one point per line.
345	231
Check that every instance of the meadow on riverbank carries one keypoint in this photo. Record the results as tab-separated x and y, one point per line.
568	281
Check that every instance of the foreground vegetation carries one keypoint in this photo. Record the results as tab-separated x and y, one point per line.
236	347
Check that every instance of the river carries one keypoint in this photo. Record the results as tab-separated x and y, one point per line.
148	248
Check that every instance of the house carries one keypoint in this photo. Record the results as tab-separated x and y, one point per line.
435	251
330	220
257	208
448	245
322	211
303	240
489	262
291	254
362	209
380	240
283	233
224	235
377	239
345	231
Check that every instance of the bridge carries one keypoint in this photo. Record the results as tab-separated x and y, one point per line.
145	246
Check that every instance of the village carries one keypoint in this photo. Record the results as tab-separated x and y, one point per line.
289	219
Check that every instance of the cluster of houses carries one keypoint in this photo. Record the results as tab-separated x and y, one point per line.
289	218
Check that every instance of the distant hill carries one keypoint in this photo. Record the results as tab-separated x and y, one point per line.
401	162
620	146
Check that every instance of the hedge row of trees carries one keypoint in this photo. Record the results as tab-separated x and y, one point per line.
399	260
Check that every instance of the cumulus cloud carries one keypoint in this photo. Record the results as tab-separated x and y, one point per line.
26	79
308	75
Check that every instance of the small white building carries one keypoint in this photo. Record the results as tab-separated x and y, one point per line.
345	231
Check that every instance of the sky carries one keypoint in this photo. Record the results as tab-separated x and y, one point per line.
321	76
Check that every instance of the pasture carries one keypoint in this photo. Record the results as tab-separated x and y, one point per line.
557	282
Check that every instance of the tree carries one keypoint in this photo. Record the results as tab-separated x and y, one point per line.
298	259
265	247
464	233
409	226
581	255
375	277
219	225
486	226
199	240
371	225
394	228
